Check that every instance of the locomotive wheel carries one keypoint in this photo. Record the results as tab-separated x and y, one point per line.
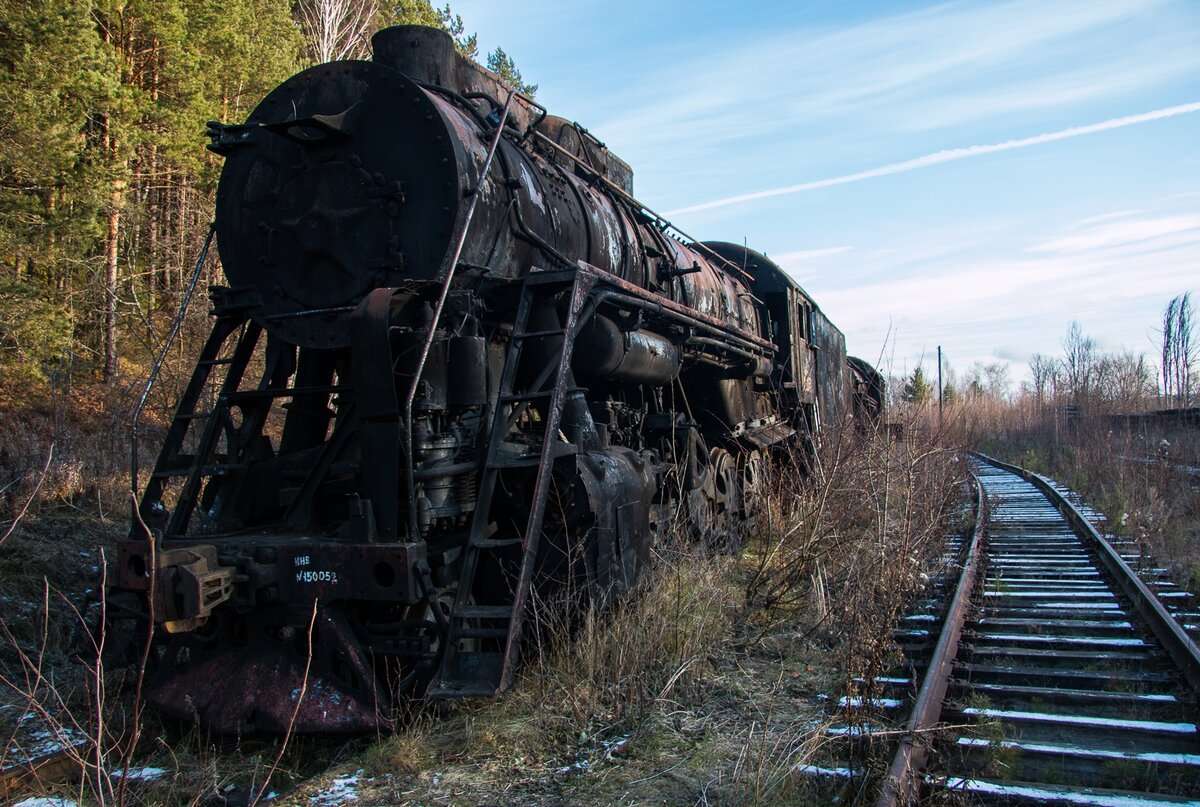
723	489
699	515
754	471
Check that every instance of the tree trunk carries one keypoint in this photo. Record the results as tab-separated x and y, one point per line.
110	288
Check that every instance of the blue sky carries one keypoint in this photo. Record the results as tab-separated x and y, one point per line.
1090	211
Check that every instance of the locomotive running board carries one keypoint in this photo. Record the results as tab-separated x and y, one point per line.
482	673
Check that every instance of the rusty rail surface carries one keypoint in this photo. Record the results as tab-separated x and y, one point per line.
18	777
1178	645
901	786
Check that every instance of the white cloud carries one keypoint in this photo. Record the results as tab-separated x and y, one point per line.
789	259
1116	214
1112	233
945	156
986	304
912	70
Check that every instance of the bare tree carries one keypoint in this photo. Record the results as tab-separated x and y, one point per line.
1179	348
1125	379
998	380
1079	363
1044	370
337	29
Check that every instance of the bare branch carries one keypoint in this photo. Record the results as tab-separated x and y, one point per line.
32	496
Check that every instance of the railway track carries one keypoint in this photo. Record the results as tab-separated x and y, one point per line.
1065	677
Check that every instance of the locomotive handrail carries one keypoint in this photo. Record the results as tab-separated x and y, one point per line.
636	294
158	363
486	96
630	199
456	253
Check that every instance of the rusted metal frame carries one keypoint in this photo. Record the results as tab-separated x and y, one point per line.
690	315
525	232
378	409
528	102
255	405
544	374
499	428
705	341
581	290
169	454
456	253
162	356
644	300
585	206
233	378
901	786
616	189
1179	646
462	99
299	512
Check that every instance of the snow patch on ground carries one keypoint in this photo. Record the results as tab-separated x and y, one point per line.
343	789
142	774
33	739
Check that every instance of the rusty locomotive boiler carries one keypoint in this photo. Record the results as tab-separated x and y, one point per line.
456	367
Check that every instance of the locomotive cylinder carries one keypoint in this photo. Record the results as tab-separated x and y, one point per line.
638	357
466	383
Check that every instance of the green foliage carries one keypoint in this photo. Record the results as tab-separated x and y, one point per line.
467	44
246	47
949	394
34	332
48	205
502	65
412	12
105	186
917	389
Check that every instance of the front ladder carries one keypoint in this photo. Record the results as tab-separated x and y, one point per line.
467	669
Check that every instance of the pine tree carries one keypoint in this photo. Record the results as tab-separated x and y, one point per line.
916	389
503	66
54	78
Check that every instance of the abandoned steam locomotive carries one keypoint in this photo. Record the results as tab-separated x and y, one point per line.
457	367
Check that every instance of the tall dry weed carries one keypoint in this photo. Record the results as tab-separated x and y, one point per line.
1135	473
839	553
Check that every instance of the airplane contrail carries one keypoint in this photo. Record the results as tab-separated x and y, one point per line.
949	155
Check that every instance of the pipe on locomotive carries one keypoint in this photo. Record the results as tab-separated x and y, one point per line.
464	229
382	226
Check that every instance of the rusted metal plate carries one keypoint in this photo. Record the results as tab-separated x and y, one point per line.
266	680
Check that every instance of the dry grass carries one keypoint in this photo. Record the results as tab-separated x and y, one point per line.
1128	474
846	554
702	688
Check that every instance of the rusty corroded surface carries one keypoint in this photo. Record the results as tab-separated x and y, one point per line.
457	365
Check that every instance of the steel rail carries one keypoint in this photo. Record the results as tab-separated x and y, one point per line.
901	787
59	765
1179	646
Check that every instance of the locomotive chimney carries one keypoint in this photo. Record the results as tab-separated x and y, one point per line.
419	52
